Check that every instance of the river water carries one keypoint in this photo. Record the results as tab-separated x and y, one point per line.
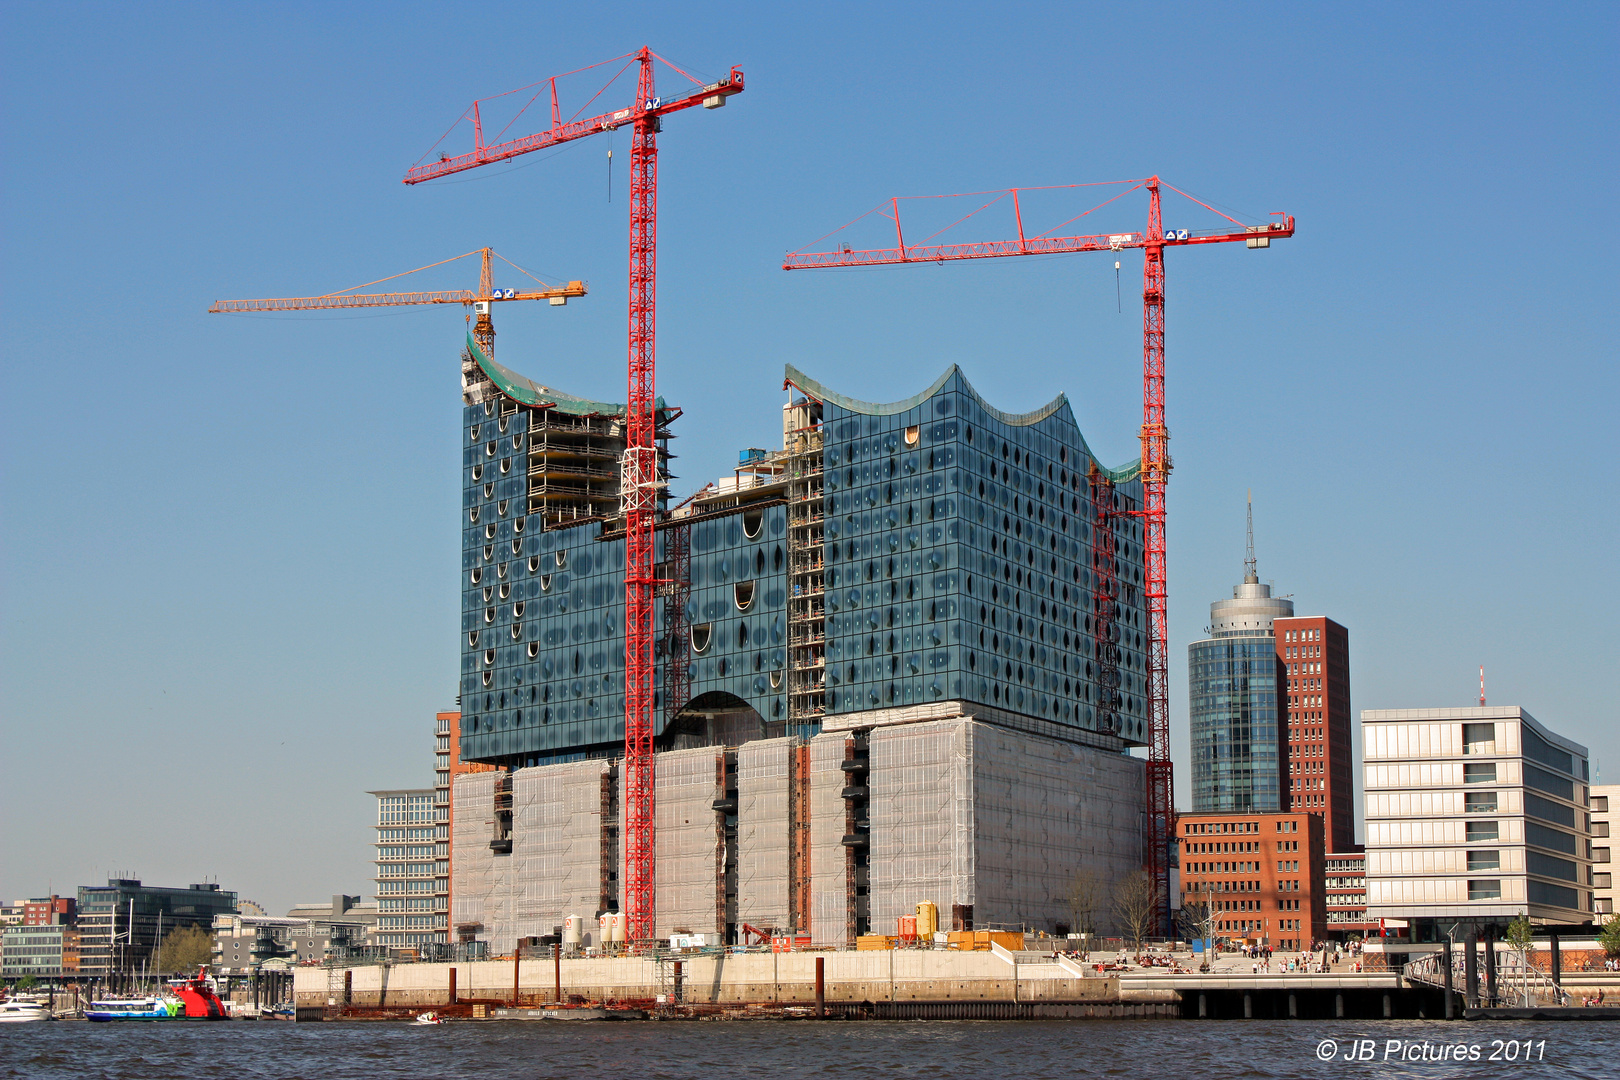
785	1050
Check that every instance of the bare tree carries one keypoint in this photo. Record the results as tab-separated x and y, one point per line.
1136	907
1198	919
1085	897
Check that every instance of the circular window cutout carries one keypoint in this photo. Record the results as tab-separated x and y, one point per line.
753	521
702	634
743	595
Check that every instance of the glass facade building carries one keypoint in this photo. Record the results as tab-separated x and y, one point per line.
410	911
934	552
1234	679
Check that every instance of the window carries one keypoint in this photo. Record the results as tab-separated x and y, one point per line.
1483	772
1481	830
1600	854
752	520
743	595
1485	890
1600	804
1479	802
702	633
1484	860
1478	738
913	433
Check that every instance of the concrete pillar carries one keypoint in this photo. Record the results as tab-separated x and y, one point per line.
1445	964
1293	1006
1471	970
1248	1006
1389	1007
1203	1007
1338	1006
1556	961
1490	966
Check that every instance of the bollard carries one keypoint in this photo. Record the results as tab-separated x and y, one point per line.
821	987
452	986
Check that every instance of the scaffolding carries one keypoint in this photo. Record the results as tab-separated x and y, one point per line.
762	833
806	518
684	809
830	865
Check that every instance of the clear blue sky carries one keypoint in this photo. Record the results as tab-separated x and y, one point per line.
229	544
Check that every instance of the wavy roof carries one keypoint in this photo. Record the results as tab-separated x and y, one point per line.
528	392
1059	404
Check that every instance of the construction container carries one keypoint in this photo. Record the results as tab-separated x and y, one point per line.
981	940
927	919
908	928
874	941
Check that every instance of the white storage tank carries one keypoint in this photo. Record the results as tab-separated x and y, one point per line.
573	932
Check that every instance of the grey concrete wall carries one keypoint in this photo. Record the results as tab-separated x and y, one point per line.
754	977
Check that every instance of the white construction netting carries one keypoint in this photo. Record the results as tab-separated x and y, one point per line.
689	840
762	833
922	820
828	891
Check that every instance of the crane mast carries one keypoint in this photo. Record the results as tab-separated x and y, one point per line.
1154	435
638	476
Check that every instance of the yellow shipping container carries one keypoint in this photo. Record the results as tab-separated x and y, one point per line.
927	919
874	941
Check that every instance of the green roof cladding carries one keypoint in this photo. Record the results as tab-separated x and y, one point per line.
526	391
1058	405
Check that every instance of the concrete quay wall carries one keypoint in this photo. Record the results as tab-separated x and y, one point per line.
784	978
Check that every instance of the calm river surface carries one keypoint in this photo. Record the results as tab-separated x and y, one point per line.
1182	1050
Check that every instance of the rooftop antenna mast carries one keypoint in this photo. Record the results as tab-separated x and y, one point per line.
1482	686
1250	576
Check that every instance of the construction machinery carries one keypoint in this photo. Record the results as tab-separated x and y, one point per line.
639	481
1155	435
481	302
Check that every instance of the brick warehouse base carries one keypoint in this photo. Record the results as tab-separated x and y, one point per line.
970	816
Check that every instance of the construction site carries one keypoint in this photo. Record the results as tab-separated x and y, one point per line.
908	665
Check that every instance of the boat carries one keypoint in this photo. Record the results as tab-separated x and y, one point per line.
187	999
22	1012
150	1008
429	1018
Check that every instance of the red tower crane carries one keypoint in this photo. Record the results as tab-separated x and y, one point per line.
638	483
1155	435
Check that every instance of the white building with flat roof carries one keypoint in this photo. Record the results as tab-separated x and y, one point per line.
1474	814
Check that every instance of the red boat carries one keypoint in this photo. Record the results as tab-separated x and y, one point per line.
198	996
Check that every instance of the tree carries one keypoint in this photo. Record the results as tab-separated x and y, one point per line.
27	982
1136	906
1519	939
1198	919
1085	896
184	950
1609	938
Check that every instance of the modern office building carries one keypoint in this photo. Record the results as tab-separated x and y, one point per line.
1605	817
1260	874
1235	700
37	950
1474	815
1317	759
52	910
120	924
307	935
900	661
407	868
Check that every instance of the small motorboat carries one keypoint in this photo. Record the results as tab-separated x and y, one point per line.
429	1018
22	1012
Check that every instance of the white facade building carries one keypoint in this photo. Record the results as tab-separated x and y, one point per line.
1605	814
407	869
1474	814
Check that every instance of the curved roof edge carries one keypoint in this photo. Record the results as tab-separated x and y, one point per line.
526	391
820	392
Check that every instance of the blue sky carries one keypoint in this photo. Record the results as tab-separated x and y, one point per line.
227	572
